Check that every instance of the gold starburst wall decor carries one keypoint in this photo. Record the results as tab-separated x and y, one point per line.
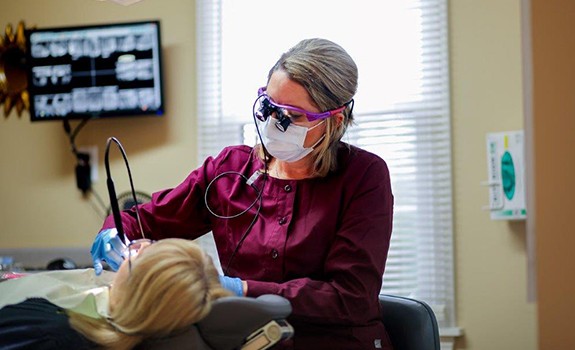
13	78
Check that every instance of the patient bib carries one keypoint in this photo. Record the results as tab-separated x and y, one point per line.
80	291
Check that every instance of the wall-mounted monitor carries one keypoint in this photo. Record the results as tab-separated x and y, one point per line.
95	71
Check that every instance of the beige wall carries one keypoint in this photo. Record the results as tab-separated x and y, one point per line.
41	206
491	263
553	23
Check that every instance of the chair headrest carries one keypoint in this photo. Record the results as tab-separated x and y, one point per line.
233	319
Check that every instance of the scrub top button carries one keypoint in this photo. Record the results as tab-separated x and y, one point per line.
275	254
282	220
287	188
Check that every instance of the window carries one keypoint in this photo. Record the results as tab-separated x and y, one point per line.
401	108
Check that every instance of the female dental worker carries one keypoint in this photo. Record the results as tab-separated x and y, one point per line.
303	215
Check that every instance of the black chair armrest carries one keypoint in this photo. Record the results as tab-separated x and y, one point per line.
233	319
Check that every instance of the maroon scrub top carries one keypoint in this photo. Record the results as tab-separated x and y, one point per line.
321	243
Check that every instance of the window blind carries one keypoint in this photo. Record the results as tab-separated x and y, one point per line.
401	110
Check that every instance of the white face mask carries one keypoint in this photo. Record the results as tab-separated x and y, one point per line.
288	145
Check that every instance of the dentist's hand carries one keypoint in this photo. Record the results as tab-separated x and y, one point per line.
109	248
233	284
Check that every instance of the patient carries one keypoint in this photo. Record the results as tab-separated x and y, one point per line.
163	288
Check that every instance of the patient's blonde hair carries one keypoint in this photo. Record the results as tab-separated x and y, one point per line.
171	286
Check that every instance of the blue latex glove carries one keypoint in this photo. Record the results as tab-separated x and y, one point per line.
233	284
108	247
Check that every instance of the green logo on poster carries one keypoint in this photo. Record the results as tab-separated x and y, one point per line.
508	175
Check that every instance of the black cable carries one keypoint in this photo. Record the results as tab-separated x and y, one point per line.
100	202
73	133
245	235
101	213
248	181
251	225
258	199
112	190
267	159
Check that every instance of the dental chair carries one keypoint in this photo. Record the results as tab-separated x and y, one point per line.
234	323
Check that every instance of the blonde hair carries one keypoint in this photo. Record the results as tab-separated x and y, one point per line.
171	286
330	76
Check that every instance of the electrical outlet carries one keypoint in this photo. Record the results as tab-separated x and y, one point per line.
93	152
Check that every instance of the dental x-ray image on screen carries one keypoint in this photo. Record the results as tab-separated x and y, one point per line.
95	71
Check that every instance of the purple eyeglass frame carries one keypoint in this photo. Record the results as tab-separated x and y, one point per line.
311	116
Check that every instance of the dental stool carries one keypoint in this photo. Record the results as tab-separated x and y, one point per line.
234	323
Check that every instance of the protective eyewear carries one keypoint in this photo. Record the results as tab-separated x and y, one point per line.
134	249
264	107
